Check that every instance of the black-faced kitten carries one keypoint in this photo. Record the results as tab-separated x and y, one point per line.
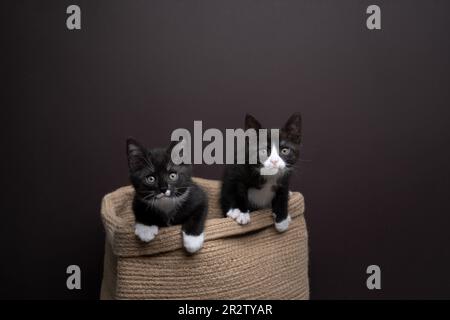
245	189
165	195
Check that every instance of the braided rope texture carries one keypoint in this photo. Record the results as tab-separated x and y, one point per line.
253	261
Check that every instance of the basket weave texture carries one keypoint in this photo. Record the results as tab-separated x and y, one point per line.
236	262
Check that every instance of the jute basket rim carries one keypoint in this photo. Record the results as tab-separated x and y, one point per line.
119	224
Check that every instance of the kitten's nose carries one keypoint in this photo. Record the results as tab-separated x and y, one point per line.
274	161
163	189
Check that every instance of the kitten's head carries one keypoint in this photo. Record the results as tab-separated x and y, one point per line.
153	174
275	159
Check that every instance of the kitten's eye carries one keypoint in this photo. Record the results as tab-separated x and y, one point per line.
150	179
173	176
285	151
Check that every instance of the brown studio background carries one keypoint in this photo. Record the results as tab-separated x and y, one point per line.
376	114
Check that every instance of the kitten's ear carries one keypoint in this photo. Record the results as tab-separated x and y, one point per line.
293	128
137	155
172	145
251	122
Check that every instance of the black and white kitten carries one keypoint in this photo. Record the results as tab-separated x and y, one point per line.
244	189
165	195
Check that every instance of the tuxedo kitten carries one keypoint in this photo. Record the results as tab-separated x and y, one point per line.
165	195
245	189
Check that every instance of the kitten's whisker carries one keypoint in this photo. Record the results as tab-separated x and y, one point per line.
147	196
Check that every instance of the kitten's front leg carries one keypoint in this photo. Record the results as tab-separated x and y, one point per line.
279	208
239	210
144	232
193	230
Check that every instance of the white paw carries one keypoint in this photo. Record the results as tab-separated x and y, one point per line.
240	217
193	243
283	225
145	233
233	213
243	218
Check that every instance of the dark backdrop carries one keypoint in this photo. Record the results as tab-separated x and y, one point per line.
375	170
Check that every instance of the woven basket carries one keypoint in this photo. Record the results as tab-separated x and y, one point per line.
236	262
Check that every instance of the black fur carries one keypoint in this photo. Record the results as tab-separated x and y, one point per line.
239	178
143	163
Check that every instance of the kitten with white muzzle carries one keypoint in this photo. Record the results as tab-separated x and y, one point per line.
265	184
165	195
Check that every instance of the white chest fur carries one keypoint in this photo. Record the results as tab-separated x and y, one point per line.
262	198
